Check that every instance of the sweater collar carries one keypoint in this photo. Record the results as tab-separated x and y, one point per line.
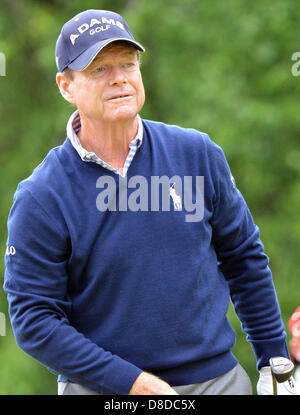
74	125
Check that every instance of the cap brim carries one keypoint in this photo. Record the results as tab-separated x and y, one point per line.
87	57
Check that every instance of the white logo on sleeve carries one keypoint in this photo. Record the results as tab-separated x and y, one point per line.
233	181
10	250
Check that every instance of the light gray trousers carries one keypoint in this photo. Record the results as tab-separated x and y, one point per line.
234	382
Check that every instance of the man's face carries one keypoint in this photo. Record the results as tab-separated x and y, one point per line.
111	88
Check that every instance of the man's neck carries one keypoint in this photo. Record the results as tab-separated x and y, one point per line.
109	141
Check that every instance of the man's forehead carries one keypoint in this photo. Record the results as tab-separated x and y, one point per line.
116	48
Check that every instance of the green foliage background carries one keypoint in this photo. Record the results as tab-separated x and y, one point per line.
221	67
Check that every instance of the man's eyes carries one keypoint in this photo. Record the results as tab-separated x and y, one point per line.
128	66
100	69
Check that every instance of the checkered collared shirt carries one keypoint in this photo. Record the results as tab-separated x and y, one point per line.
74	125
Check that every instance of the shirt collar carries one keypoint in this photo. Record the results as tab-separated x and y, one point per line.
74	126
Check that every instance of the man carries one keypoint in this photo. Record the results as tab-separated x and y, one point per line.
129	240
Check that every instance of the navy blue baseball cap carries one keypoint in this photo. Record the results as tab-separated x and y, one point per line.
86	34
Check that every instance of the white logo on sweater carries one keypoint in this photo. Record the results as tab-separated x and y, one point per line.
10	250
176	198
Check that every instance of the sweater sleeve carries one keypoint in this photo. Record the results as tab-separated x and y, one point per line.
36	280
245	265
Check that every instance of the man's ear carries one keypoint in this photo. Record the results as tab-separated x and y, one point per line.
65	86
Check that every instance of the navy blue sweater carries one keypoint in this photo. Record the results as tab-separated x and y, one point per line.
100	295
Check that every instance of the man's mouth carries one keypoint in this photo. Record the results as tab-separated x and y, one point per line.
121	96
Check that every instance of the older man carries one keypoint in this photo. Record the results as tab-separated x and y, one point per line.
130	238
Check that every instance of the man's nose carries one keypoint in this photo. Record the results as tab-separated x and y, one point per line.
117	75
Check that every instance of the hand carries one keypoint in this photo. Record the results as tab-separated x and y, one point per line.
265	384
295	348
148	384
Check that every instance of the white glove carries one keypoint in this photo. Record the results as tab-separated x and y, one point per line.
265	384
297	375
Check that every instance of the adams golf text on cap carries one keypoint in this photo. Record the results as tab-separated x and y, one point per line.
86	34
